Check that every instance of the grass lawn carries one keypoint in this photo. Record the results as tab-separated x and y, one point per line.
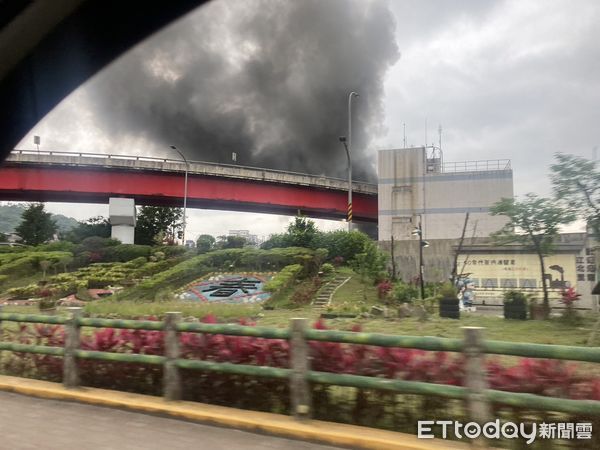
351	296
536	331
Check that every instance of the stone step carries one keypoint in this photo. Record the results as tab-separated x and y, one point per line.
324	295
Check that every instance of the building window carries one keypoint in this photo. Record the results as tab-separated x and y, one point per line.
579	259
580	277
580	268
527	282
591	260
591	268
475	282
588	251
489	282
508	283
591	277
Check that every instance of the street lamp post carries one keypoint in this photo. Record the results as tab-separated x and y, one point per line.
349	212
185	189
419	231
348	153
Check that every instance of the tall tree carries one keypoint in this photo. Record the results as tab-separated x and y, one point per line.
231	242
95	226
576	182
205	243
534	222
301	232
153	220
36	225
369	264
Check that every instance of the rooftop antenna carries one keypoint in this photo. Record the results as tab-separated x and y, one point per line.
404	126
425	131
440	133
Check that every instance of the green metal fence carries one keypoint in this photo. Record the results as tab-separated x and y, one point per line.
475	392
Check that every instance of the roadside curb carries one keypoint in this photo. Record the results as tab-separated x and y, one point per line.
268	423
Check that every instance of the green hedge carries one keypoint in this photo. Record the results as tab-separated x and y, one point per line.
283	279
198	266
126	252
174	277
27	263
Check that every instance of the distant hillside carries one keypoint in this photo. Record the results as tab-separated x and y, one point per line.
10	218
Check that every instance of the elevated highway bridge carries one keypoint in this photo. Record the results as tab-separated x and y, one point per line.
94	178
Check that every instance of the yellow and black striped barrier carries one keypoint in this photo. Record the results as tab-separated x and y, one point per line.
349	212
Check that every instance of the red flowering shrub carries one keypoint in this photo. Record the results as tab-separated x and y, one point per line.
569	296
383	289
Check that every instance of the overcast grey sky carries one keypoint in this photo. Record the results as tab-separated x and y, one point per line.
505	79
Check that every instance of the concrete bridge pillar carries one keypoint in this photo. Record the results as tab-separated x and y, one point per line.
121	213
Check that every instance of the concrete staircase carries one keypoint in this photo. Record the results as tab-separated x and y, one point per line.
325	294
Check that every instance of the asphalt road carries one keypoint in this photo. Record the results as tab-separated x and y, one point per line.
41	424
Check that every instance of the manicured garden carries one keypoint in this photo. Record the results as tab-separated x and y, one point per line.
148	287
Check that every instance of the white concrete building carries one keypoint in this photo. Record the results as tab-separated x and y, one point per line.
416	182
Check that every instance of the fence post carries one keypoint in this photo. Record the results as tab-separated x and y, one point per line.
72	338
475	377
300	364
171	378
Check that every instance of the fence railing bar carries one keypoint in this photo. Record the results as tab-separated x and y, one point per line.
564	352
386	340
150	325
33	318
237	369
234	330
30	348
120	357
386	384
543	403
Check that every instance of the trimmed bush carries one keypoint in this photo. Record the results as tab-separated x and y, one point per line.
327	268
405	293
174	277
126	252
172	251
27	263
515	305
283	279
23	292
449	303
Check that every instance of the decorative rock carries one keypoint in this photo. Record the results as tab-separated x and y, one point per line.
420	313
404	311
379	311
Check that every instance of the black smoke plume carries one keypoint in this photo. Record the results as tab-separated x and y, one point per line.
266	79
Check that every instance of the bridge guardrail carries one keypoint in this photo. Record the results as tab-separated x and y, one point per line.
359	186
472	346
